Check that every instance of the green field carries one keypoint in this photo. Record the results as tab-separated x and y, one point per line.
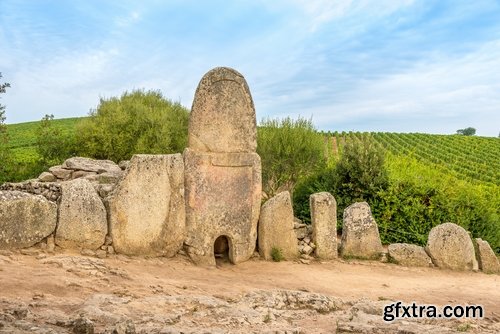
22	137
471	158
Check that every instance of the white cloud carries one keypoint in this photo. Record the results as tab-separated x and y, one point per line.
323	11
129	19
447	88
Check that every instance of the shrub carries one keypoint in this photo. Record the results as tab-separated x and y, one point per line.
5	153
52	145
359	175
137	122
277	254
290	150
420	197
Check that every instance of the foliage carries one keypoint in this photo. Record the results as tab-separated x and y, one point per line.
277	254
467	131
52	144
290	150
322	180
359	175
5	154
420	197
137	122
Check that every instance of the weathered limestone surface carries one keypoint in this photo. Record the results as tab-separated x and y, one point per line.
25	219
409	255
360	237
450	247
222	170
147	214
82	217
324	224
276	227
223	115
488	262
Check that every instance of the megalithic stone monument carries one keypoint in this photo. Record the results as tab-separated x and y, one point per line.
223	180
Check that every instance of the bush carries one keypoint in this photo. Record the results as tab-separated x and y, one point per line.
5	153
421	197
359	175
277	254
290	150
52	145
137	122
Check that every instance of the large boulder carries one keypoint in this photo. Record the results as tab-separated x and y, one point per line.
324	224
147	209
409	255
450	247
488	261
91	165
360	237
82	216
276	227
25	219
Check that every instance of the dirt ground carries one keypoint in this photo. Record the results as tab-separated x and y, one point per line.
71	293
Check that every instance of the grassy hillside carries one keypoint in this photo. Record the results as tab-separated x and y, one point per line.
470	158
22	137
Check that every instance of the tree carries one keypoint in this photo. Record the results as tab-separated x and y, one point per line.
467	131
137	122
52	144
359	175
290	150
5	156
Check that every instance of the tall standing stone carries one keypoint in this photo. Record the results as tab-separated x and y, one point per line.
488	261
25	219
82	216
276	227
450	247
324	224
360	237
222	169
147	215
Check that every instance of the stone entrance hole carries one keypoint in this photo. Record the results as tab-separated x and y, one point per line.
222	250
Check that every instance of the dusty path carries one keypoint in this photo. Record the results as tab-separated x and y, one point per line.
45	294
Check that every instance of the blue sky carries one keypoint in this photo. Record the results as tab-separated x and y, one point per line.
380	65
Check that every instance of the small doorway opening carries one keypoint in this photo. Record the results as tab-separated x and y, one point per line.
221	250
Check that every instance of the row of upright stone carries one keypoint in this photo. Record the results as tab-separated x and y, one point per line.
207	201
449	246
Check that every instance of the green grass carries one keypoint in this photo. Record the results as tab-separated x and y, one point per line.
22	137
